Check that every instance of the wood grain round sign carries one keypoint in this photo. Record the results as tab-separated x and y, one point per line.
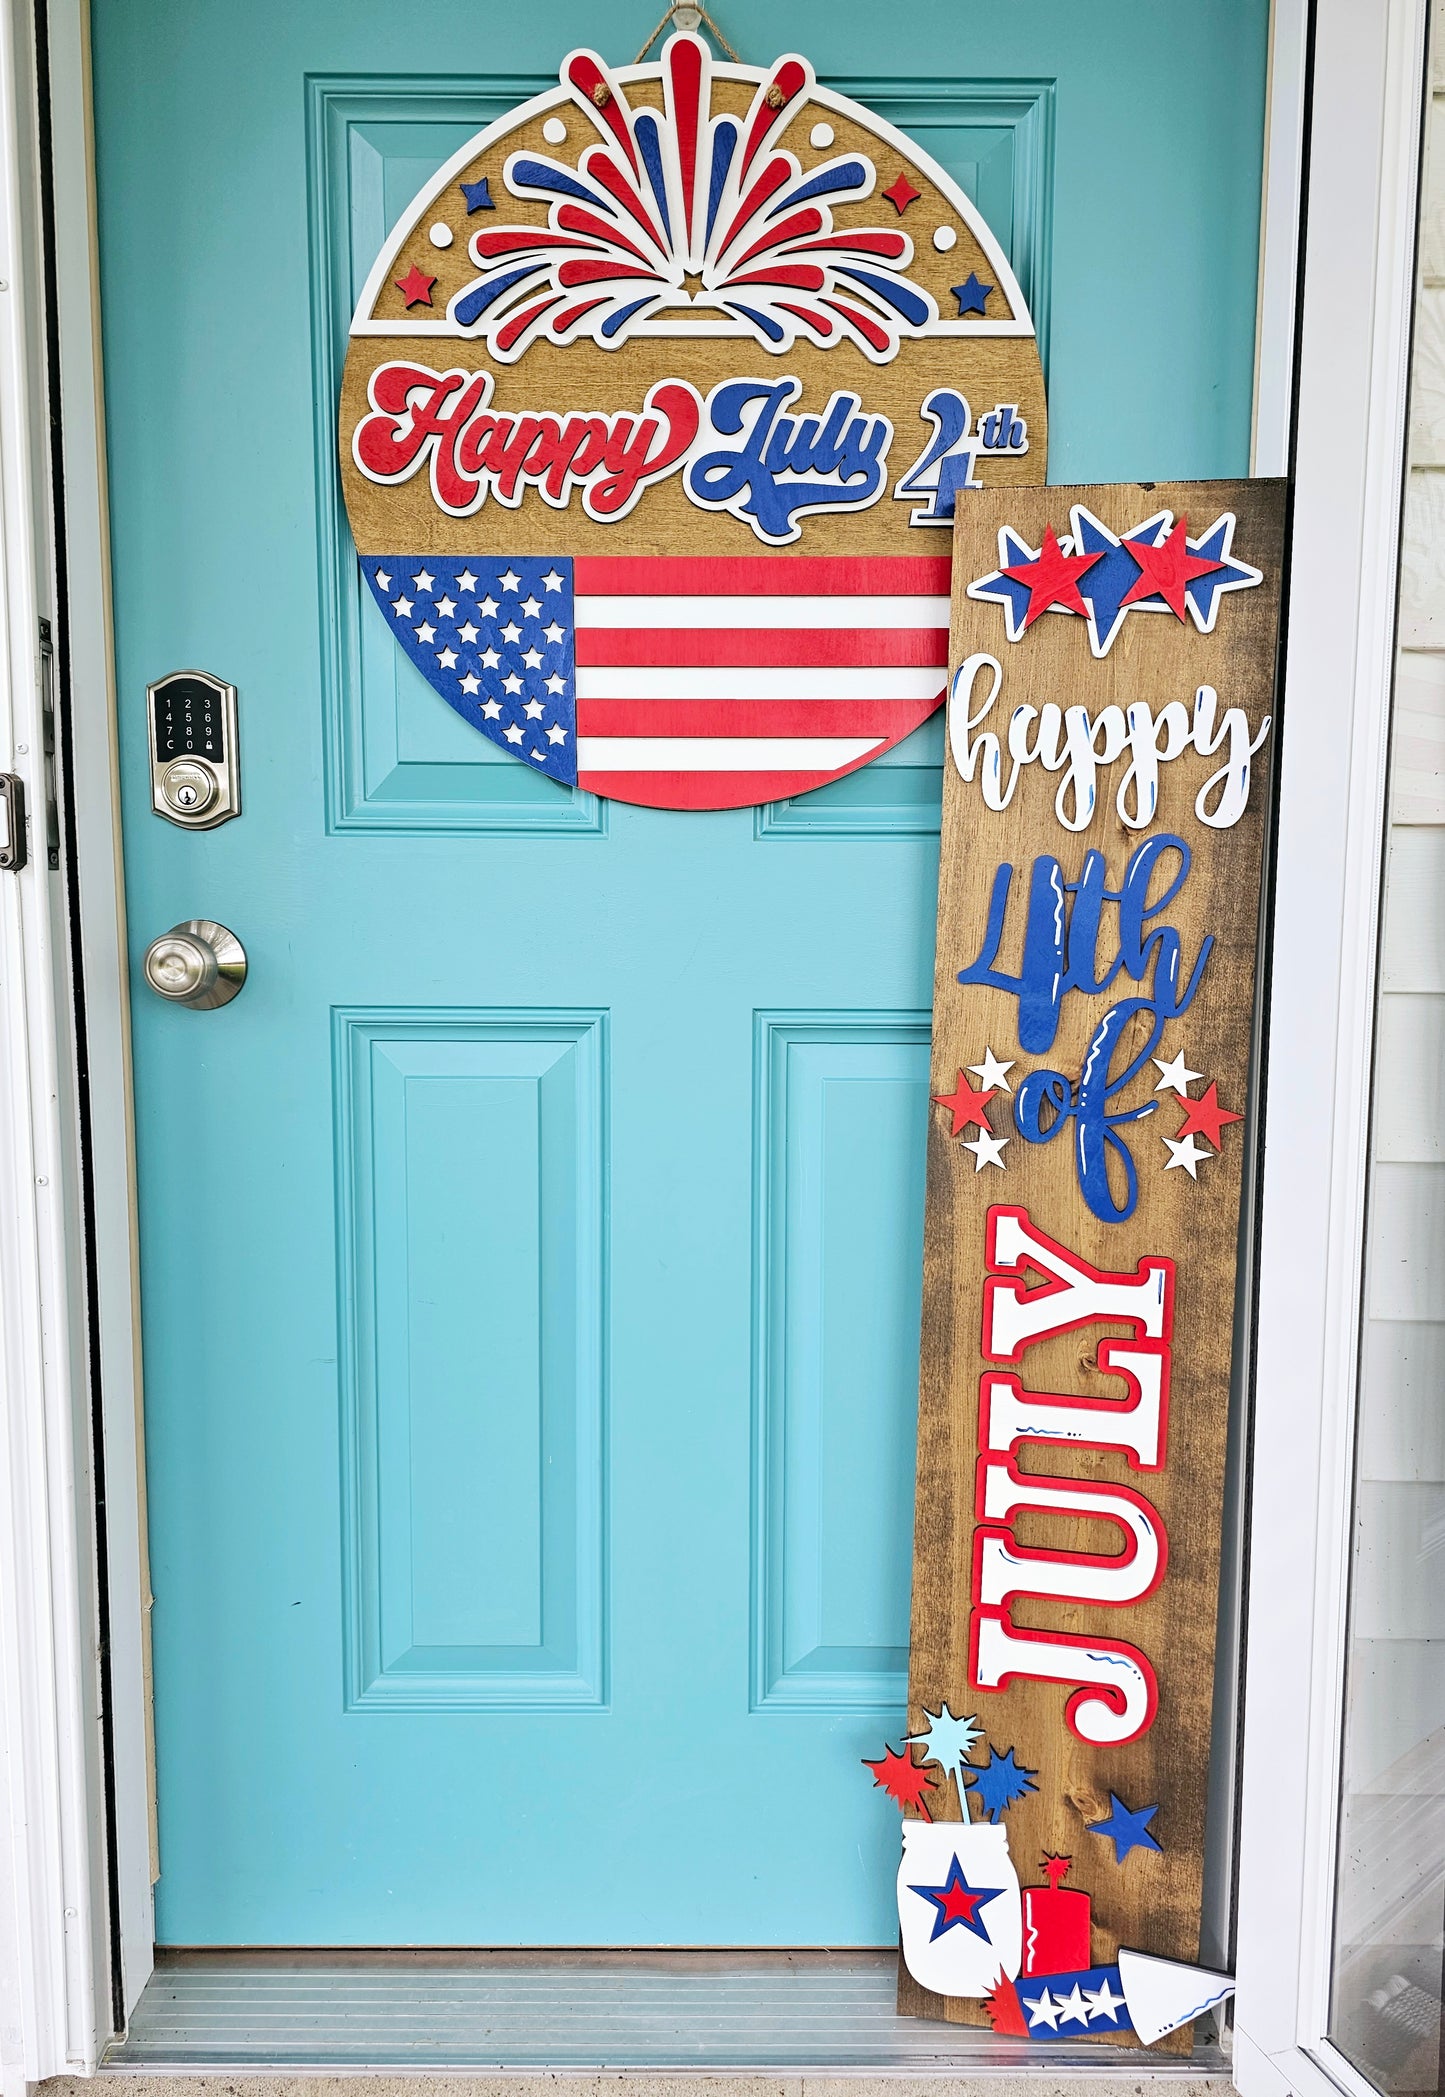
656	409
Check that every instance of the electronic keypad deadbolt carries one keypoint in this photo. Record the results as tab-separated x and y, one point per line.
195	764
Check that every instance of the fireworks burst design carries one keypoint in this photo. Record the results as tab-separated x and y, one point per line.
684	209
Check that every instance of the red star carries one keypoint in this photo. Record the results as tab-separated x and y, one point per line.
957	1904
902	194
966	1105
1205	1117
1164	570
902	1778
415	286
1053	578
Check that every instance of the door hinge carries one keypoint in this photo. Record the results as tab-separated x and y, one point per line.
47	724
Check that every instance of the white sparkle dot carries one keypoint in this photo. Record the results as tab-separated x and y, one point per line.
554	131
441	235
821	135
944	237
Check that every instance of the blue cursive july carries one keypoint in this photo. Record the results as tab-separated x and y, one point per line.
1062	928
788	464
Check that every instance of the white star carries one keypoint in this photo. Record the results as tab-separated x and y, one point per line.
490	658
552	579
425	581
554	634
402	607
556	686
1103	2002
471	685
446	608
1042	2011
988	1150
540	755
448	658
491	711
466	580
530	607
1071	2007
512	632
426	631
383	582
1185	1152
509	579
513	734
992	1072
488	607
532	659
1175	1075
534	709
512	684
469	632
556	735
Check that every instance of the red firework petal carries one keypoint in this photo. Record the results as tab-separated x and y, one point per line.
685	67
868	329
519	322
572	218
571	274
798	227
892	246
788	80
561	321
586	74
606	173
798	276
771	180
514	239
1004	2009
820	321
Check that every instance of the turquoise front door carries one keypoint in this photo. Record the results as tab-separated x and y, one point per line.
530	1254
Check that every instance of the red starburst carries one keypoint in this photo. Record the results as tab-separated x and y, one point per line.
902	1778
1167	569
416	286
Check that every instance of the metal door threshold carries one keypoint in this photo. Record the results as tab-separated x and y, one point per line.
575	2013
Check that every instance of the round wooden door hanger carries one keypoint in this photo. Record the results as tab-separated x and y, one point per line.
655	412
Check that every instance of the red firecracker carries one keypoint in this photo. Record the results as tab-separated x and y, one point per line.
1057	1925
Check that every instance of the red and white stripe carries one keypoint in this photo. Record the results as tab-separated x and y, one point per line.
717	683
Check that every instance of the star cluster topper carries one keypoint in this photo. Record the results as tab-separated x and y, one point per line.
1102	577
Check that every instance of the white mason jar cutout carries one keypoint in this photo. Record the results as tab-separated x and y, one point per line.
960	1912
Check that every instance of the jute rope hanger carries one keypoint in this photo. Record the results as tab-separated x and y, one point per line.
686	14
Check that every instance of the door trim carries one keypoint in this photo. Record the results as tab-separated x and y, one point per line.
55	1964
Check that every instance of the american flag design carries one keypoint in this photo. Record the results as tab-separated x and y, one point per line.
678	682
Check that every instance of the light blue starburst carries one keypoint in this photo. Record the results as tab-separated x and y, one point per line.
948	1741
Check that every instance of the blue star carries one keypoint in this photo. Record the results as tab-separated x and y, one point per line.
1203	592
957	1903
1001	1783
973	296
1111	579
998	588
478	196
1129	1830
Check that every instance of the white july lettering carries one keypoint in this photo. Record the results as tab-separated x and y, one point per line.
1115	1693
1077	743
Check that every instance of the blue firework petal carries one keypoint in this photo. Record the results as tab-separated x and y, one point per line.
541	174
649	144
617	320
476	301
893	293
847	174
724	145
764	321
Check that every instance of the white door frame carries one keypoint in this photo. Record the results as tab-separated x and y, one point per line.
1357	303
58	1891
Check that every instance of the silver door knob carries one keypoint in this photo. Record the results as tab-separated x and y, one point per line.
199	963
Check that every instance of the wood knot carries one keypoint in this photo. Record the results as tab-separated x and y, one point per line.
774	96
602	94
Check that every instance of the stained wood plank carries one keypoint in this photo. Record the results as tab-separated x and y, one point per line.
1150	1901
